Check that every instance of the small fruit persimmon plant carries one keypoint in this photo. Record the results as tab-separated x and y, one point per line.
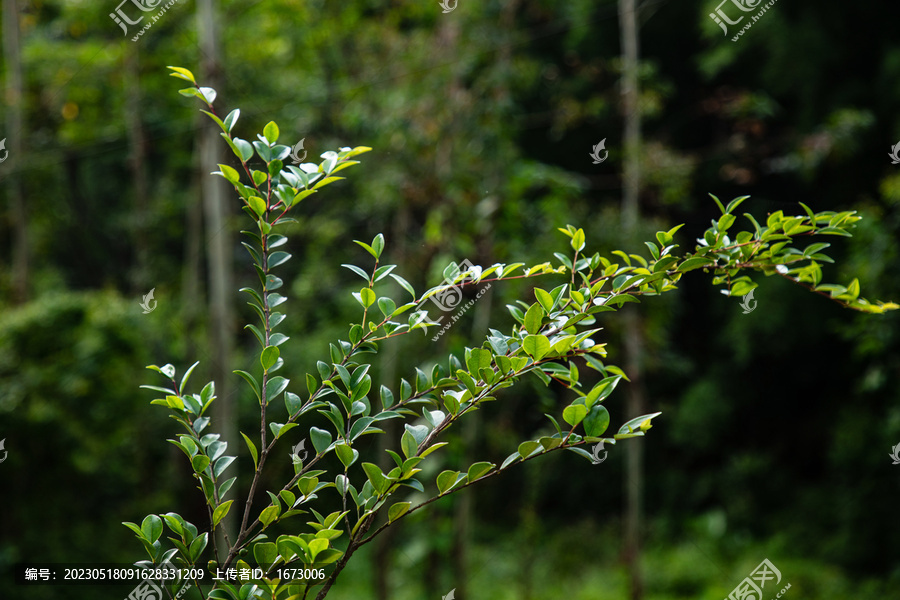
551	338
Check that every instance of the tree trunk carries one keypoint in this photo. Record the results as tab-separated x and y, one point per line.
219	251
137	140
634	449
14	135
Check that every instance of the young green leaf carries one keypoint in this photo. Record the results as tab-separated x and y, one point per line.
253	453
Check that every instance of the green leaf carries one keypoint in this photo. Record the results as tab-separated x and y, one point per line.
479	358
269	357
735	203
200	463
208	94
376	477
346	454
419	432
151	528
387	306
278	258
292	401
432	448
478	470
641	423
253	453
725	221
544	298
357	270
135	529
597	421
198	546
408	444
258	205
231	119
265	553
574	414
229	174
223	463
695	263
578	240
279	429
221	511
853	289
398	510
321	439
368	248
275	386
245	150
182	73
268	515
446	480
378	245
270	131
405	285
526	448
326	181
533	318
743	287
175	402
367	297
536	346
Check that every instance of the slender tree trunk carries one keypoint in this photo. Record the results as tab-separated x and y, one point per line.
137	140
219	250
634	450
192	300
14	135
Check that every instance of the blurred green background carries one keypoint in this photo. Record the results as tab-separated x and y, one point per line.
776	425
